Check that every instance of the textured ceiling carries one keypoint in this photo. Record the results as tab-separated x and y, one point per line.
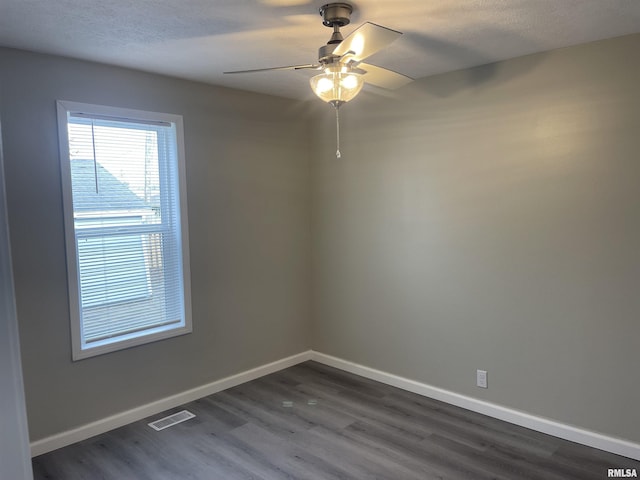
199	39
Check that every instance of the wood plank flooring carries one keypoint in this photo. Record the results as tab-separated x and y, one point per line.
340	426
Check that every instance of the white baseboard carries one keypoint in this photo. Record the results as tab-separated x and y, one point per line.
83	432
540	424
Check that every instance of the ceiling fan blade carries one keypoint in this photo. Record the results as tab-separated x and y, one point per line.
366	40
383	77
288	67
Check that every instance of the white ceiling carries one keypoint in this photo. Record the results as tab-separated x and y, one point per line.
199	39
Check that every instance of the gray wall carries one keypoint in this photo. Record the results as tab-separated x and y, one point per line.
248	200
488	218
15	456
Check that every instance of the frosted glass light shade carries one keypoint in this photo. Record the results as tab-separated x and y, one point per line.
337	84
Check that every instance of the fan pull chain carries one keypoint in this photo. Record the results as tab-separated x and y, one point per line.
338	154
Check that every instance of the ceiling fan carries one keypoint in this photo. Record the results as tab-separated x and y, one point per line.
341	59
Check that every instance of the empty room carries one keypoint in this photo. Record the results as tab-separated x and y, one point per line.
291	239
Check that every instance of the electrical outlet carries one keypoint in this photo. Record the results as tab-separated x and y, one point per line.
481	378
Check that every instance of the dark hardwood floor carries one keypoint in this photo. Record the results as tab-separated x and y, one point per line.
340	426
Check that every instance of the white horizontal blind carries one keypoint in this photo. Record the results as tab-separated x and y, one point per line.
126	223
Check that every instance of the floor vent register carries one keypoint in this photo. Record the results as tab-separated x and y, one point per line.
171	420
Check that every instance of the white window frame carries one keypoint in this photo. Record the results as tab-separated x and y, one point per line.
80	349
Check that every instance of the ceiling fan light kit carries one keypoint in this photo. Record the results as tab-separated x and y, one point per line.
337	85
341	60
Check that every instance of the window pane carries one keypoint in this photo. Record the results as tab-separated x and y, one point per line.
112	270
115	173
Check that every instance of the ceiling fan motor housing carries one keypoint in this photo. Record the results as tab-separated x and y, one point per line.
336	14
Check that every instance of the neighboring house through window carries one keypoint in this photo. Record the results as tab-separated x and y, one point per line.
125	224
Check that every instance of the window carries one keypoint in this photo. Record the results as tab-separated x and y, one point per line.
126	226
